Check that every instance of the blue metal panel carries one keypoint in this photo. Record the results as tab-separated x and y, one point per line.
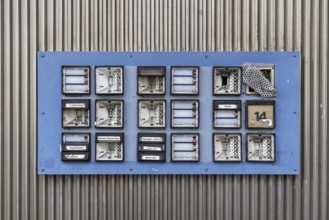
287	129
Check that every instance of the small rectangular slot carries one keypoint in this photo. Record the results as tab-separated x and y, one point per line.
224	80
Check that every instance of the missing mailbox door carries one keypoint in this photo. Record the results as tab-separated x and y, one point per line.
109	114
151	80
227	80
75	113
109	80
261	147
227	147
151	113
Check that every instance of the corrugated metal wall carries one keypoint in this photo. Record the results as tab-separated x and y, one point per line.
154	25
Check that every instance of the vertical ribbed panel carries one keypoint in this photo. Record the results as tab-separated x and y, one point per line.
159	25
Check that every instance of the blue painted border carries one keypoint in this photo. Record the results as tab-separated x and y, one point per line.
287	129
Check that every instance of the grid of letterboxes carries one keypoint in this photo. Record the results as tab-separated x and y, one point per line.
184	113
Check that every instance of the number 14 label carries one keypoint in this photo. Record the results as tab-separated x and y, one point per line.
260	114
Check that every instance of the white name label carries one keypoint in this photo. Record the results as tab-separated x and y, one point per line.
74	156
149	157
227	106
76	147
151	148
109	138
75	105
152	139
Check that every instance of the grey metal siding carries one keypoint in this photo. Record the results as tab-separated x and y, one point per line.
159	25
